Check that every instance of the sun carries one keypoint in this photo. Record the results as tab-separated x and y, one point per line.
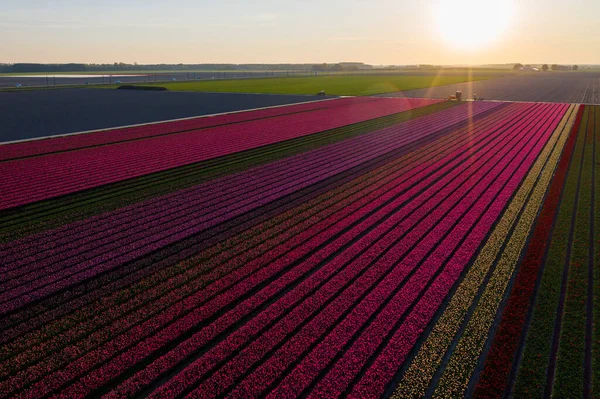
472	24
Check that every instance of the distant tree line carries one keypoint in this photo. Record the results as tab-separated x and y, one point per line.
340	67
556	67
120	66
545	67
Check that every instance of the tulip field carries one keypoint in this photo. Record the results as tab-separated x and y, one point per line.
353	247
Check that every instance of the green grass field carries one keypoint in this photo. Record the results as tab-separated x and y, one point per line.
334	85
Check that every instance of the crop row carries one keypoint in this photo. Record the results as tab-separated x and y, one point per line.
595	276
466	354
272	171
122	277
417	180
490	180
538	367
77	206
496	374
378	180
111	136
419	374
260	186
414	254
565	302
39	178
573	352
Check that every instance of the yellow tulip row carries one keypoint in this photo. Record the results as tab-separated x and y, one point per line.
455	378
463	361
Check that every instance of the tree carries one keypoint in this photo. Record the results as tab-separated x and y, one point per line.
575	67
554	67
517	67
545	67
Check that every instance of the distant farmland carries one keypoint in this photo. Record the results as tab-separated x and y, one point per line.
567	87
352	85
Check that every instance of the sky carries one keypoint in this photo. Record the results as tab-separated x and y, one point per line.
380	32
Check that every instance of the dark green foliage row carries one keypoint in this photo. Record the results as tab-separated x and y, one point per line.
571	352
596	266
555	352
532	374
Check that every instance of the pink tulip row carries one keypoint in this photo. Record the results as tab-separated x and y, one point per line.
37	349
38	178
45	242
265	175
266	273
72	266
429	299
389	166
111	136
312	331
382	191
293	223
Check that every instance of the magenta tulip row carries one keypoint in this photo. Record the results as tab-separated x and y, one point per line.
69	267
38	178
191	285
44	242
472	169
92	381
416	180
111	136
405	337
272	172
344	199
311	333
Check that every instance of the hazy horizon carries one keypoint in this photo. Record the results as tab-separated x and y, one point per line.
378	32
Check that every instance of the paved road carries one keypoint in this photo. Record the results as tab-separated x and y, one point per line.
568	87
40	113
